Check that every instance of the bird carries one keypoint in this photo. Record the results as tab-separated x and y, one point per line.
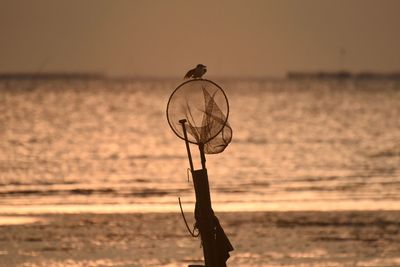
197	72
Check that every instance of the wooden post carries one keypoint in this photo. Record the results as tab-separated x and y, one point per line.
205	216
206	221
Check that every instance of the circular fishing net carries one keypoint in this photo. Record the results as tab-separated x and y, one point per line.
204	106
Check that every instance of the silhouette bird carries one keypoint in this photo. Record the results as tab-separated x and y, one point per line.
197	72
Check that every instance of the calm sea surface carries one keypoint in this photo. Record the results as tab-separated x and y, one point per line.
107	147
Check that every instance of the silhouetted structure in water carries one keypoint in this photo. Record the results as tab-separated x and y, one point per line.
200	107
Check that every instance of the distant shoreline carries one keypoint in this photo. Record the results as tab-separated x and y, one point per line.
76	76
291	75
343	75
52	76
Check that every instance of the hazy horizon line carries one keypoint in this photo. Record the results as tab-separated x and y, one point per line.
93	75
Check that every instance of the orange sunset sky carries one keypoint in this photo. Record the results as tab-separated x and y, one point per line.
233	38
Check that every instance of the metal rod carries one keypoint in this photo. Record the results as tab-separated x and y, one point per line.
182	122
202	156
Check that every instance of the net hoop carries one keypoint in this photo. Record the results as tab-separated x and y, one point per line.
172	95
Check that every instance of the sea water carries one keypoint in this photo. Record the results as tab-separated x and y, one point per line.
105	146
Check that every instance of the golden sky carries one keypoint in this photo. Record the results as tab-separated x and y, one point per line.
165	38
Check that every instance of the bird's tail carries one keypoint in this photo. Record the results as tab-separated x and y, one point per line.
188	74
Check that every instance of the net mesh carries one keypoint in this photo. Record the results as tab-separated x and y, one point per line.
204	106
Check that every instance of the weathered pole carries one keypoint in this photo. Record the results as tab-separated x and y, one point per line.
205	217
204	214
215	243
